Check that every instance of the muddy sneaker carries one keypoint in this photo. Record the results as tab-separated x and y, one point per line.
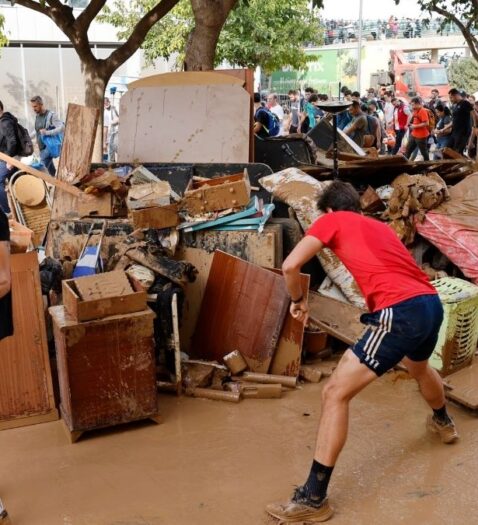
300	509
447	432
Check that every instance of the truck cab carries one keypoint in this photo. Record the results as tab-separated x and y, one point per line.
417	79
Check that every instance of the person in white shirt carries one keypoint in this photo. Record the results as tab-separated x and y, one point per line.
388	110
276	108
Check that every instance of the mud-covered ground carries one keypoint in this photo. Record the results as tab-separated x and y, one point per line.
215	463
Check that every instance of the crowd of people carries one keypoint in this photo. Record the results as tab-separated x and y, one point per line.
48	127
341	31
380	120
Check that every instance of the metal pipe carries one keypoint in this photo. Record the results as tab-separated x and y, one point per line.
336	153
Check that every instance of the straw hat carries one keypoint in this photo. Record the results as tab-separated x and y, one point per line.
29	190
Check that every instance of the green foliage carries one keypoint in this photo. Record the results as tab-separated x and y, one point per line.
3	38
463	13
269	34
463	74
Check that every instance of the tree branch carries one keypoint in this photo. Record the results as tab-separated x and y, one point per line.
87	16
470	39
120	55
35	6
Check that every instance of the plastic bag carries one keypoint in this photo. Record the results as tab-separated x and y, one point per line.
53	143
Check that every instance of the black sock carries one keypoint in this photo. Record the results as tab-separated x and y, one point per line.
318	481
442	415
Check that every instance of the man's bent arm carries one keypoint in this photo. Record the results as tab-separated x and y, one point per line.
302	253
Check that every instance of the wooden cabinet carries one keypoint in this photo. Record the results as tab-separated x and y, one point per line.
26	393
106	370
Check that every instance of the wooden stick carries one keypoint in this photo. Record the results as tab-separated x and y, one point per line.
290	382
43	176
177	346
219	395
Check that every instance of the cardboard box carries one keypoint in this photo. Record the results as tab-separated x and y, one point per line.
96	206
149	195
158	218
117	302
221	193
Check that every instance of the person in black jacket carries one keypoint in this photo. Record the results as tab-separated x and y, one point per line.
8	145
6	321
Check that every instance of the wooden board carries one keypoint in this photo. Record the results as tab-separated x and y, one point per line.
464	386
339	319
26	392
263	249
286	360
180	124
158	217
76	153
243	309
187	78
106	369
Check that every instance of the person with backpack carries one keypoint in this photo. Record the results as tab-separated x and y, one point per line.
266	124
419	129
358	127
47	123
9	144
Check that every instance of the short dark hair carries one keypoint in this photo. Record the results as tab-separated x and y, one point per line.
1	106
257	98
309	90
292	92
36	99
416	100
314	97
454	91
355	94
340	196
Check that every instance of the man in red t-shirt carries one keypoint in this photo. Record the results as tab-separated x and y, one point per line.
419	131
403	325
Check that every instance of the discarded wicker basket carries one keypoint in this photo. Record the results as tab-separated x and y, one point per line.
459	331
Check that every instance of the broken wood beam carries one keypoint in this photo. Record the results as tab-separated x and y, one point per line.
290	382
43	176
217	395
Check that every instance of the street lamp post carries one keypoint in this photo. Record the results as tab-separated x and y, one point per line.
359	51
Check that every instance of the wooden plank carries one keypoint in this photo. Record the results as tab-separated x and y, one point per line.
77	150
26	390
464	386
102	286
51	415
263	249
243	309
68	188
76	153
286	360
339	319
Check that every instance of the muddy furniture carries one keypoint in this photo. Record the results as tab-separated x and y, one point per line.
26	392
106	370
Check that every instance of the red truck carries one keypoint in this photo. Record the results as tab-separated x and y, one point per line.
411	79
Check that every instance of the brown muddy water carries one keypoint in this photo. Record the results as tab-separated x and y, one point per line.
217	463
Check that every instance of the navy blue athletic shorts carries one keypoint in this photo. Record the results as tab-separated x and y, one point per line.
407	329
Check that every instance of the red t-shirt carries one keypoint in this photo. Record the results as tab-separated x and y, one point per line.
384	270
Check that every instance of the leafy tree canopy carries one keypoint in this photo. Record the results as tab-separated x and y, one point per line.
463	13
463	74
3	38
269	34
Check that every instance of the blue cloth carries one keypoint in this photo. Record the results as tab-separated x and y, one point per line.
406	329
47	160
5	174
343	120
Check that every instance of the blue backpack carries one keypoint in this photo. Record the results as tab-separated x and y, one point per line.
273	126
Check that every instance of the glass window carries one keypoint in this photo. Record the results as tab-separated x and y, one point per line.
433	76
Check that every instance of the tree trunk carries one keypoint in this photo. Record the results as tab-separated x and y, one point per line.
96	80
209	16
